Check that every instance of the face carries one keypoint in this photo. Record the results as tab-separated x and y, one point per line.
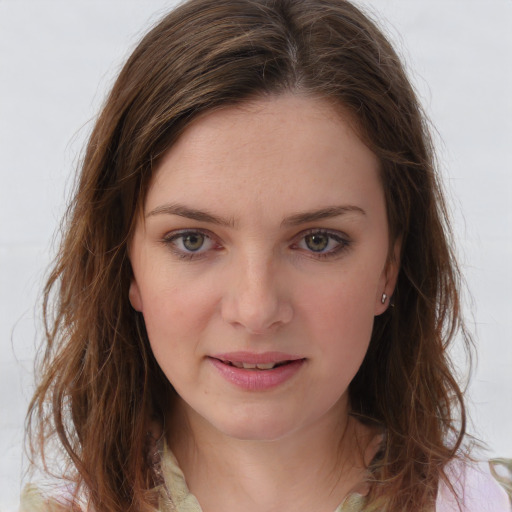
259	264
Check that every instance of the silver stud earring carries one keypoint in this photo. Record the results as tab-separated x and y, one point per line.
383	298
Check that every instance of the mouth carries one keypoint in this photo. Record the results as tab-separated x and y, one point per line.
251	361
255	366
257	372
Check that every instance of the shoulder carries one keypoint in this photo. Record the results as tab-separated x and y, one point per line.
476	488
34	499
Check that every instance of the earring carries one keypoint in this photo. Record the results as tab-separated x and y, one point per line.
383	298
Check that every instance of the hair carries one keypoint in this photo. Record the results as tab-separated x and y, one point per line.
99	384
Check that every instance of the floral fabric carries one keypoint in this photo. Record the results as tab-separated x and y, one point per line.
476	485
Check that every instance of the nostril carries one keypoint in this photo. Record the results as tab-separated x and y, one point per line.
257	316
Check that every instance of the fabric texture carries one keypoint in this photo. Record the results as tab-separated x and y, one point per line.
184	501
476	485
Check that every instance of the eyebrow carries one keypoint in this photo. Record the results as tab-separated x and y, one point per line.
190	213
323	213
292	220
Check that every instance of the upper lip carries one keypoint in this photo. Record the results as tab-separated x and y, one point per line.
254	358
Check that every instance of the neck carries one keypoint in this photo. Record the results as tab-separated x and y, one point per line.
312	468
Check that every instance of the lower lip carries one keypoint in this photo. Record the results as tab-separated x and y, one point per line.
257	380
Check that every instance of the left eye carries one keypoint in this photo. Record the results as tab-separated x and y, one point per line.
321	242
317	242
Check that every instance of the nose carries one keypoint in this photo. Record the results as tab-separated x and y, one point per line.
256	297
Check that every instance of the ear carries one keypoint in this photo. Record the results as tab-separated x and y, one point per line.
388	280
135	296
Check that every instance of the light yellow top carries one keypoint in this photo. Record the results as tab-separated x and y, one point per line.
478	487
184	501
174	495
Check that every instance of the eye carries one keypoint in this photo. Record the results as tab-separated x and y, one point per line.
189	243
192	241
317	242
322	243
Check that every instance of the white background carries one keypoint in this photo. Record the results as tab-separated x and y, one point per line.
58	58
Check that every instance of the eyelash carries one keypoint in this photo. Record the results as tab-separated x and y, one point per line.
342	242
171	240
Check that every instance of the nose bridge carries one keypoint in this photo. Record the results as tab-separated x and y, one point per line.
255	300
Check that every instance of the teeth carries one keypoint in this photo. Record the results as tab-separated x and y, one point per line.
251	366
266	366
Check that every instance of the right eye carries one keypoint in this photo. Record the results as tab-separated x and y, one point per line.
189	243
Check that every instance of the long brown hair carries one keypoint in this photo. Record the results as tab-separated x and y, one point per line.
99	383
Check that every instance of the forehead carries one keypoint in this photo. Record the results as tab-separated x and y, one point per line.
278	150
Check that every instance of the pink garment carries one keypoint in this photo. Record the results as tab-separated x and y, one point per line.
477	488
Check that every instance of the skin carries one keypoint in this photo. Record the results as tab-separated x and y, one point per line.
266	278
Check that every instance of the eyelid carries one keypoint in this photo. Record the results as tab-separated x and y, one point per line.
175	233
342	239
169	238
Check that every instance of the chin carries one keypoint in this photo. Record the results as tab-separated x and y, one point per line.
253	424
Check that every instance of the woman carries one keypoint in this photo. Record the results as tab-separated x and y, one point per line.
257	289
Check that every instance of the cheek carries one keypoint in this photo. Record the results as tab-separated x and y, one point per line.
175	312
340	318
